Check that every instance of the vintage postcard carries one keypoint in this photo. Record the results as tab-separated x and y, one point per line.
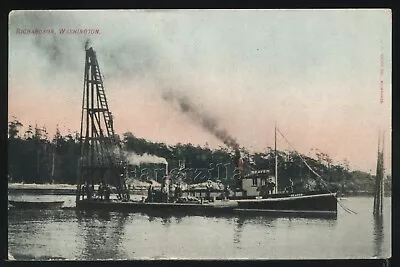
199	134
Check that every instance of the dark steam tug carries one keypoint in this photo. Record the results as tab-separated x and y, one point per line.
102	165
258	192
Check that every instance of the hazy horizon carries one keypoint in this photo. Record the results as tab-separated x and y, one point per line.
315	72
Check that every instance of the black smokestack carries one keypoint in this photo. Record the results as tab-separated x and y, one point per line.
205	120
236	158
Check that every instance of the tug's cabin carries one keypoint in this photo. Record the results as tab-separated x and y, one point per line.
255	180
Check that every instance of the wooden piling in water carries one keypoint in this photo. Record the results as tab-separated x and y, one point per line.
378	197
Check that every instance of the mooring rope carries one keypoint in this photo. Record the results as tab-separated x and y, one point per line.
319	176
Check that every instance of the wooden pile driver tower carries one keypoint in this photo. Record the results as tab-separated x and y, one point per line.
101	159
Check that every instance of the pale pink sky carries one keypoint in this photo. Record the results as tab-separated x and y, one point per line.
314	72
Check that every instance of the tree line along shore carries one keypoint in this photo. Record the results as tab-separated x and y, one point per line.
36	158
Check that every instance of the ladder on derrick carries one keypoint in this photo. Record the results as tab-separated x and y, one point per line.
103	99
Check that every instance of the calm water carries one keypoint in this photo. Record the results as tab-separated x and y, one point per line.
69	234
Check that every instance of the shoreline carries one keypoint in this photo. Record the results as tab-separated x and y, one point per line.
71	189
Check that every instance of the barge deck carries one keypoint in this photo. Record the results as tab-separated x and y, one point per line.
315	205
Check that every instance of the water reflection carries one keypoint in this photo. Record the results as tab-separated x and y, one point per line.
378	235
70	234
238	229
30	231
102	232
26	223
165	218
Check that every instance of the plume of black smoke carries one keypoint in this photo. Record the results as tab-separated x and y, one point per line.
205	120
87	43
52	48
125	58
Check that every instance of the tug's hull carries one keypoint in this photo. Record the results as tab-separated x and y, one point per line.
295	204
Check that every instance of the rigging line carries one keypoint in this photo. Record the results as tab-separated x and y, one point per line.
319	176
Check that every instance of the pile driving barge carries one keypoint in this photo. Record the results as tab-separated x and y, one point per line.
102	163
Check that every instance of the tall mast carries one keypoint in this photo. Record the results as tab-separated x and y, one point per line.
276	165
